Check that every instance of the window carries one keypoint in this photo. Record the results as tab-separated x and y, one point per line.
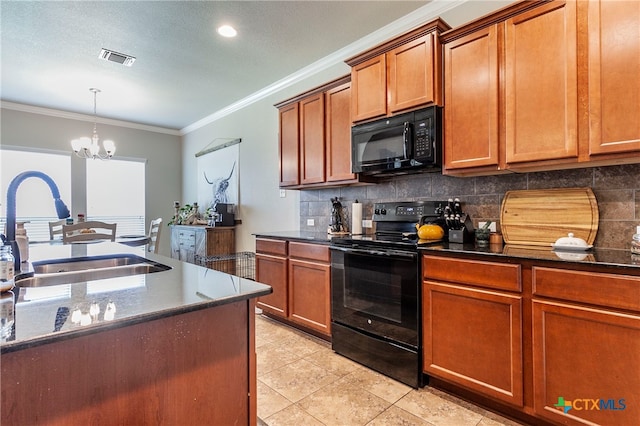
114	190
34	203
115	193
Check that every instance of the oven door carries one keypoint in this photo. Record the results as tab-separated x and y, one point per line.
376	291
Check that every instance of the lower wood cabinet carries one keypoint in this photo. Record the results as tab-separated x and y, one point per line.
545	341
472	336
586	347
300	275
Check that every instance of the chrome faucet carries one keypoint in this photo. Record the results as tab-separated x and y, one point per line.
61	209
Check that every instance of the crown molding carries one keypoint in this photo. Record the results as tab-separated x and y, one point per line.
84	117
428	12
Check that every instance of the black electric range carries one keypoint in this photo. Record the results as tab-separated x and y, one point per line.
375	292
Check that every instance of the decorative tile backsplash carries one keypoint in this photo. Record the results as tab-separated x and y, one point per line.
617	190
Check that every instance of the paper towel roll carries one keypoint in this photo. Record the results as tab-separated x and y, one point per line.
356	218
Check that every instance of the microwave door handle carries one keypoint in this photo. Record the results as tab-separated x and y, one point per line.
406	139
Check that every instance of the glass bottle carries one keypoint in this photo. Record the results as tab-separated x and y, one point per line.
7	260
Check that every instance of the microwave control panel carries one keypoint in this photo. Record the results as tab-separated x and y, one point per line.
423	139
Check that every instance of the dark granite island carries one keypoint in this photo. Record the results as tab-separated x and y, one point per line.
173	347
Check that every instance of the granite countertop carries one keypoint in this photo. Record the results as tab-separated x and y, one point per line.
305	236
43	314
594	257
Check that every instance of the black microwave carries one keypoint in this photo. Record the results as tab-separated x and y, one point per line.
402	144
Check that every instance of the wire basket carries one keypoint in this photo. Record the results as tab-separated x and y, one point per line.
242	264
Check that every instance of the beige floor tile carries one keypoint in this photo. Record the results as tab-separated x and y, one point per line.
343	403
270	401
492	419
437	410
302	345
379	385
292	416
397	417
272	356
298	379
329	360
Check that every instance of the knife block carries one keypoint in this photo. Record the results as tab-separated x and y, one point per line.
463	235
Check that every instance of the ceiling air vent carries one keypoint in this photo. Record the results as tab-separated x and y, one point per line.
121	58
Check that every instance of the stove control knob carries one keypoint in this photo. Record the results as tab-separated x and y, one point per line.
383	211
377	211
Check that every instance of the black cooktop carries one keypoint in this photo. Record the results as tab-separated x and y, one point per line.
395	224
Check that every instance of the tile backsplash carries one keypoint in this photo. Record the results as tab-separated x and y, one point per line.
617	190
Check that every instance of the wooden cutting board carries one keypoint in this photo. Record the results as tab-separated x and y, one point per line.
540	217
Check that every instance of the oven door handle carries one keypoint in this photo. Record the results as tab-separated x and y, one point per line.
387	253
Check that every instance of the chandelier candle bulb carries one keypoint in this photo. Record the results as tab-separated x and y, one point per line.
356	218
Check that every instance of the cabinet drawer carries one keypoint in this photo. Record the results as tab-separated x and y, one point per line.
308	251
611	290
501	276
277	247
186	235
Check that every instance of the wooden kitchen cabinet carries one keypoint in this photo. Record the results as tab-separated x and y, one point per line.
272	269
473	336
586	346
471	121
289	145
338	134
310	286
315	137
542	86
614	86
300	274
195	243
541	109
401	74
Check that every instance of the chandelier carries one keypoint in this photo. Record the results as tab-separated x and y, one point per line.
86	147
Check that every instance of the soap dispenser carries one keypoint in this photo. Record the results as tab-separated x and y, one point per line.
23	241
635	241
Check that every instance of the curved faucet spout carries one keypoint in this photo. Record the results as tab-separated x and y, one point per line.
61	208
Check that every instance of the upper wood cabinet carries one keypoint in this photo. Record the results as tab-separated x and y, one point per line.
614	67
315	137
399	75
541	109
543	85
337	102
289	145
471	126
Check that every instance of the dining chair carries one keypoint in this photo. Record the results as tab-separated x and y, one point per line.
154	235
55	228
88	231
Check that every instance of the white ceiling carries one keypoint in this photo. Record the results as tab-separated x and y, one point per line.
184	72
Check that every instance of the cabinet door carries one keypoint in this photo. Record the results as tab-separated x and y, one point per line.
289	162
272	270
474	338
312	139
586	365
338	134
614	67
410	74
471	137
184	244
369	89
309	295
541	84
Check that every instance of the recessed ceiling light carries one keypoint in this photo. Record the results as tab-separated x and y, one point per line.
227	31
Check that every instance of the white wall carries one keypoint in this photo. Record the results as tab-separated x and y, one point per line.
161	150
261	208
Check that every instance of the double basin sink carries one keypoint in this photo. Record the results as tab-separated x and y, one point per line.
72	270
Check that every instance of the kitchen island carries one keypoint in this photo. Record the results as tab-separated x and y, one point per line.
171	347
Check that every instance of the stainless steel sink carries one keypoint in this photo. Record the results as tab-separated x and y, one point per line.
66	271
